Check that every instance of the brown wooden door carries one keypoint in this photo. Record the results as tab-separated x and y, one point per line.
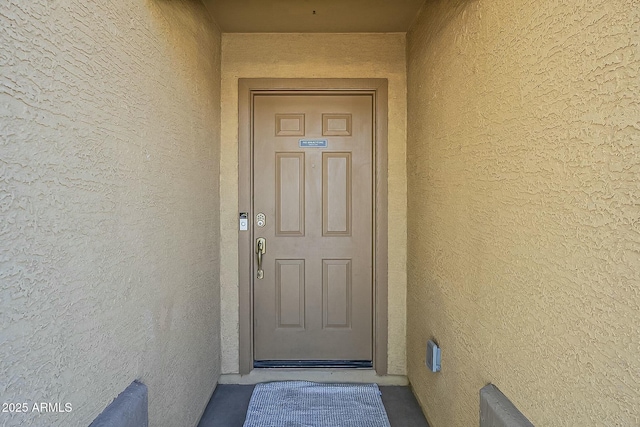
315	300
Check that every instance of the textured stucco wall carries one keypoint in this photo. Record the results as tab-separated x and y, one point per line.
109	149
524	190
314	56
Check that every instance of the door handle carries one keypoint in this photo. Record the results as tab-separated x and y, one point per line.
261	249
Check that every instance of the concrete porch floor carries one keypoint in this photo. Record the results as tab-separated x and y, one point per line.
229	403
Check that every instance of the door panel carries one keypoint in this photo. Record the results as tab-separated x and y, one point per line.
290	194
290	293
336	194
336	293
315	301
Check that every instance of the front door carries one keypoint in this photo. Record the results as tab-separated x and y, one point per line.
313	206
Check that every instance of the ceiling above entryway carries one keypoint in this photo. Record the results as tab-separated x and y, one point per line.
314	16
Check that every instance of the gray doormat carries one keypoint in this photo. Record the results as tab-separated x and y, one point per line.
307	404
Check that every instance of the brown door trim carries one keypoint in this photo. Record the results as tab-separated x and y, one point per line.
247	88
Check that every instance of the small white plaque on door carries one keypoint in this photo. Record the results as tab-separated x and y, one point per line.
313	143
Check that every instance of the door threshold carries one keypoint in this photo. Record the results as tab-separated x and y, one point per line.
314	364
321	375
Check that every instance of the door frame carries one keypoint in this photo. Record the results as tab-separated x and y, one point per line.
378	89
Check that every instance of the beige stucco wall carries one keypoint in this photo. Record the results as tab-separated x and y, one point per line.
109	150
524	191
314	56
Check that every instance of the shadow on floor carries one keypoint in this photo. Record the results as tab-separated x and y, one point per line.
229	403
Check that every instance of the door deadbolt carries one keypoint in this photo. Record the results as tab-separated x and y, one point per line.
261	220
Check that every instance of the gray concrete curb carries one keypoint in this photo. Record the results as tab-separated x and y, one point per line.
498	411
129	409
